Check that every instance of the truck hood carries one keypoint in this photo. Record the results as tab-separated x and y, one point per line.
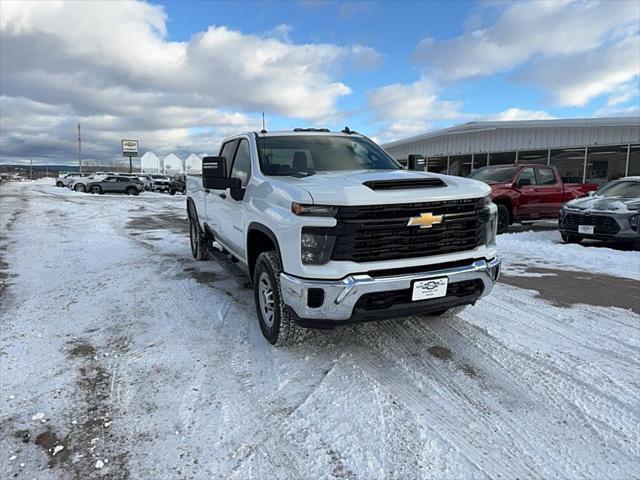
348	188
605	204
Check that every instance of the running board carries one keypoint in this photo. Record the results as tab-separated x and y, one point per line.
231	268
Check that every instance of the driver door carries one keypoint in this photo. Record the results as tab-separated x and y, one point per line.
232	212
529	200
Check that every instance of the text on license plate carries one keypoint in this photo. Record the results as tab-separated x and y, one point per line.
586	229
432	288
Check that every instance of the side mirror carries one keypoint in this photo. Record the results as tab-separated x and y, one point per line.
416	162
214	173
591	193
523	182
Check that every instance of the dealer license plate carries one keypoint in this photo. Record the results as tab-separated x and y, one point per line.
586	229
432	288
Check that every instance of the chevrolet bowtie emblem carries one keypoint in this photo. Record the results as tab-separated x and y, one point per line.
425	220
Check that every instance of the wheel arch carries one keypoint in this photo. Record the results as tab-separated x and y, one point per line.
506	201
260	239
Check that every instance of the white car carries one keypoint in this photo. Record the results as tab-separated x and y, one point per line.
66	180
329	229
80	184
160	183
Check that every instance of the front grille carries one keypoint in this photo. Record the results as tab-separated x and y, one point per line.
380	232
603	225
382	300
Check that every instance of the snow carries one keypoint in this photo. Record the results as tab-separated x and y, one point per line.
545	249
136	353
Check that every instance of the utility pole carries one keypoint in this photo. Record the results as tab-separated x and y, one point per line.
79	150
31	169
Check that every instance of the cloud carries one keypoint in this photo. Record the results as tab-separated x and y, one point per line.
111	67
574	50
515	113
631	111
405	109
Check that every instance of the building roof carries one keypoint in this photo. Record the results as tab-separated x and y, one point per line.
472	127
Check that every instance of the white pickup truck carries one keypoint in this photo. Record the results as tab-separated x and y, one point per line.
329	229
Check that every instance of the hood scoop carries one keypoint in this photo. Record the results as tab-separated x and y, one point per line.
405	183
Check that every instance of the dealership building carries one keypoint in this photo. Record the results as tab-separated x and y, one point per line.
584	150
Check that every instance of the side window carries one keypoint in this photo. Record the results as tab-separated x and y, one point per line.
528	174
242	163
110	179
546	176
227	152
123	179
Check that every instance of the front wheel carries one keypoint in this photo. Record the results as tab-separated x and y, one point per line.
59	184
132	191
570	238
276	324
504	218
79	188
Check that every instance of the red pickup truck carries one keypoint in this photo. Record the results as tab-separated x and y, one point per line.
528	192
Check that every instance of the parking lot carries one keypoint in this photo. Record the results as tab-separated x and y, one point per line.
140	362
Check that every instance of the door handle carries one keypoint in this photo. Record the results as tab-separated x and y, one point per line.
222	195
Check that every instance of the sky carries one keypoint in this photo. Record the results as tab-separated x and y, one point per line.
181	75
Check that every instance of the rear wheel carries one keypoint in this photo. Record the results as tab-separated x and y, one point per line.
277	326
504	218
570	238
59	184
96	189
197	240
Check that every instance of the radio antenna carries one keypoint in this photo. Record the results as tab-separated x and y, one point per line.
264	130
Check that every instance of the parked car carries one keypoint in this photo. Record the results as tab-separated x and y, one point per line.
178	185
80	184
66	180
116	184
329	229
160	183
528	192
146	180
611	213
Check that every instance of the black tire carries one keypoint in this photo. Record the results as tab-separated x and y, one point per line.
132	191
197	240
280	329
570	238
80	188
59	184
96	189
504	218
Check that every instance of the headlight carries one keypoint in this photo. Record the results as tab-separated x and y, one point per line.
633	222
316	248
487	200
314	210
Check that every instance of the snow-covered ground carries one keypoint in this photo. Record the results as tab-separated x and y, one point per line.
123	357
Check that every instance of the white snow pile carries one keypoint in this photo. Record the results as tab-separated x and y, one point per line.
545	249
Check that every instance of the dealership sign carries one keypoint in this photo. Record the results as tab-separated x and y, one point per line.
129	148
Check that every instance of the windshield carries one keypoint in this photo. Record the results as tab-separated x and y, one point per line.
300	154
158	176
620	189
493	174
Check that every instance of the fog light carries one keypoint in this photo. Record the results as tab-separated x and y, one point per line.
316	249
633	222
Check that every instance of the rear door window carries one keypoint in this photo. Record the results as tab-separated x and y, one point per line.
546	176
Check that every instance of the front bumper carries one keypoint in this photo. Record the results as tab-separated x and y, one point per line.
341	296
607	226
